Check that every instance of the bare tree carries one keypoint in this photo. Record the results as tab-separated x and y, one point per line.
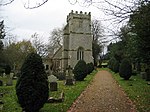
83	3
28	4
55	39
9	39
40	47
119	10
5	2
98	39
97	31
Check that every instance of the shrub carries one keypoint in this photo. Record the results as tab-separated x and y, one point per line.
147	74
116	66
80	70
7	69
111	63
125	69
32	85
1	71
90	67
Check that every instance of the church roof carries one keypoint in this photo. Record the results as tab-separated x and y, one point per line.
58	54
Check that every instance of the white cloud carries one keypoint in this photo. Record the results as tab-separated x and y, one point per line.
43	19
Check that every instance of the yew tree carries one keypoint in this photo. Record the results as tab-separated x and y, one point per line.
32	85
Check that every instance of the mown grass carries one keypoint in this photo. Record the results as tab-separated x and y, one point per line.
9	98
137	90
71	93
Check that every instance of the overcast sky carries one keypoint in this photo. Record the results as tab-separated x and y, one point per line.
42	20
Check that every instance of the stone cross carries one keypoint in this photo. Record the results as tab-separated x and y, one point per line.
69	76
69	70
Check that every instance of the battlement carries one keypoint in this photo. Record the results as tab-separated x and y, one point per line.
79	15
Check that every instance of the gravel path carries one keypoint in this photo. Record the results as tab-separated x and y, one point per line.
102	95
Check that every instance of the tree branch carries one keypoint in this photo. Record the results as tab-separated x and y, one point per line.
7	3
27	5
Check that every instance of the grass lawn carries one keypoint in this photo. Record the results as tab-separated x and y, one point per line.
71	93
138	91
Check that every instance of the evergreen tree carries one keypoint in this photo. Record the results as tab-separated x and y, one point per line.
116	66
90	67
80	70
125	70
111	63
7	69
140	25
32	85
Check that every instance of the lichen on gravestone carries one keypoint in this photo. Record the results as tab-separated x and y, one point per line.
52	78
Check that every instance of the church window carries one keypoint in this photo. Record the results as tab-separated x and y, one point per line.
80	54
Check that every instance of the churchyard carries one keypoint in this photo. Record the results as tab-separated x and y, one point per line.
70	94
136	88
127	60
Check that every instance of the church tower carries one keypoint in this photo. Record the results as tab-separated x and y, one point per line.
77	41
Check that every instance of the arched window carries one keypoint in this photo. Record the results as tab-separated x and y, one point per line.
80	53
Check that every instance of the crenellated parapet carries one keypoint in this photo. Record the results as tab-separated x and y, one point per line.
78	15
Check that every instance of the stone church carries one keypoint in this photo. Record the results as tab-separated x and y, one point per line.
77	42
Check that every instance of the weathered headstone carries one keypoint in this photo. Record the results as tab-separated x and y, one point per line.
56	100
52	78
69	76
9	82
11	75
53	86
4	74
69	81
48	72
53	82
14	78
143	75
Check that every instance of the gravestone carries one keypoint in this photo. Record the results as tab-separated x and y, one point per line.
56	100
9	82
143	75
69	76
4	74
10	79
48	72
1	83
53	82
